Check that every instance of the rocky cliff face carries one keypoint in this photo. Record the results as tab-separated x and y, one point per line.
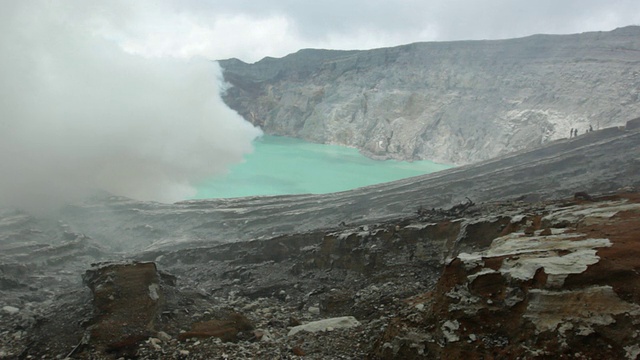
451	102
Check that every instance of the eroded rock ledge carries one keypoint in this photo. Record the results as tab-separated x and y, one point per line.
556	283
508	279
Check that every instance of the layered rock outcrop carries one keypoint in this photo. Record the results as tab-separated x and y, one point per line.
558	282
450	102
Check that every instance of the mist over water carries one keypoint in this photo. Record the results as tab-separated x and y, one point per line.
78	114
281	165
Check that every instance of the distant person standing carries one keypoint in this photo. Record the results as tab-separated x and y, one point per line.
590	128
571	134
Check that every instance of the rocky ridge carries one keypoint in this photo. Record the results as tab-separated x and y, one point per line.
450	102
600	161
531	255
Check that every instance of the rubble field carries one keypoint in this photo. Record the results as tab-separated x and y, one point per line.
513	279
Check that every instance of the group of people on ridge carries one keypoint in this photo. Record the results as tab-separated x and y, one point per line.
574	132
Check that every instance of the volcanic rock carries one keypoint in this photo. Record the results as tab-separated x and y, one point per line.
504	279
226	328
127	300
451	102
527	296
326	324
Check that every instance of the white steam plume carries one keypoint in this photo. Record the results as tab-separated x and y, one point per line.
78	114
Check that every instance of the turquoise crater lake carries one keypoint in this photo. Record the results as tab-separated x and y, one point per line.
282	165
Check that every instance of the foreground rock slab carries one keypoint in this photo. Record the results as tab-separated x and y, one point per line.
226	329
499	280
127	299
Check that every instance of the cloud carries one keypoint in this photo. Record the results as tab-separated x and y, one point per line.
77	113
251	30
500	19
218	37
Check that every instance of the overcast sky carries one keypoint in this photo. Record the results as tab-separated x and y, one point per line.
253	29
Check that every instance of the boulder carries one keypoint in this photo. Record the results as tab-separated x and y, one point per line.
127	300
226	328
326	324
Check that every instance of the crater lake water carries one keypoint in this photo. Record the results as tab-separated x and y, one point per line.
283	165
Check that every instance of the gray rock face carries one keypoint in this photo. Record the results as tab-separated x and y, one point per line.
450	102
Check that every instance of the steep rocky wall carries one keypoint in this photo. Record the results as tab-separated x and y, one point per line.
451	102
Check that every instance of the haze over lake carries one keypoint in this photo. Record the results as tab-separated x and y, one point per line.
282	165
